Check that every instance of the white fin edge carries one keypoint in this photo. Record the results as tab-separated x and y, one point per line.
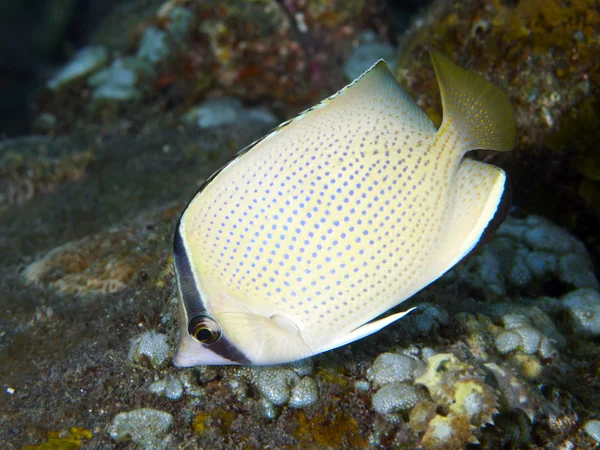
364	331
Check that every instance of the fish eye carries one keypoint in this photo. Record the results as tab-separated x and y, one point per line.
204	329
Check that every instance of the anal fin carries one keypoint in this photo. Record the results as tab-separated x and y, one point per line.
363	331
479	191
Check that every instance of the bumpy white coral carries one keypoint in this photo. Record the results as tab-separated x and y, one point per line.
521	336
393	367
583	306
525	251
396	397
279	386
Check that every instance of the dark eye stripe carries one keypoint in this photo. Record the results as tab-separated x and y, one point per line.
193	304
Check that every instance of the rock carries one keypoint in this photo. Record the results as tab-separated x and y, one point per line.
576	269
181	22
542	263
152	347
546	236
583	306
154	47
145	427
428	319
86	61
122	81
225	111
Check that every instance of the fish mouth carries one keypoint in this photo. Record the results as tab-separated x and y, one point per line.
198	355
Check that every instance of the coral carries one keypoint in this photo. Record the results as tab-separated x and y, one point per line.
366	54
528	255
475	400
190	384
71	440
459	405
393	367
286	385
171	387
583	306
447	432
154	46
124	80
508	341
276	385
396	397
521	335
145	427
304	393
150	347
103	263
421	415
456	385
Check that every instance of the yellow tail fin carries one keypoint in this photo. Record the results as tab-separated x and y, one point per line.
476	110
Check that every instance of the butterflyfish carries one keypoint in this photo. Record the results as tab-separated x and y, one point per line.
308	235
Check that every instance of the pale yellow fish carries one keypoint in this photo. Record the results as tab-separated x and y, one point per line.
338	215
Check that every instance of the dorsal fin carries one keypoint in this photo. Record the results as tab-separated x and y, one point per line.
374	84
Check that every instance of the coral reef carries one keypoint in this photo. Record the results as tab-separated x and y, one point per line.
273	52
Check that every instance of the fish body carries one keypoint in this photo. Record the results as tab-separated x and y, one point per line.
338	215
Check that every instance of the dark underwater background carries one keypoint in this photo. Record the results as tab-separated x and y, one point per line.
112	115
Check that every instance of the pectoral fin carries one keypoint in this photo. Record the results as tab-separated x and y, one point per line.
265	340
